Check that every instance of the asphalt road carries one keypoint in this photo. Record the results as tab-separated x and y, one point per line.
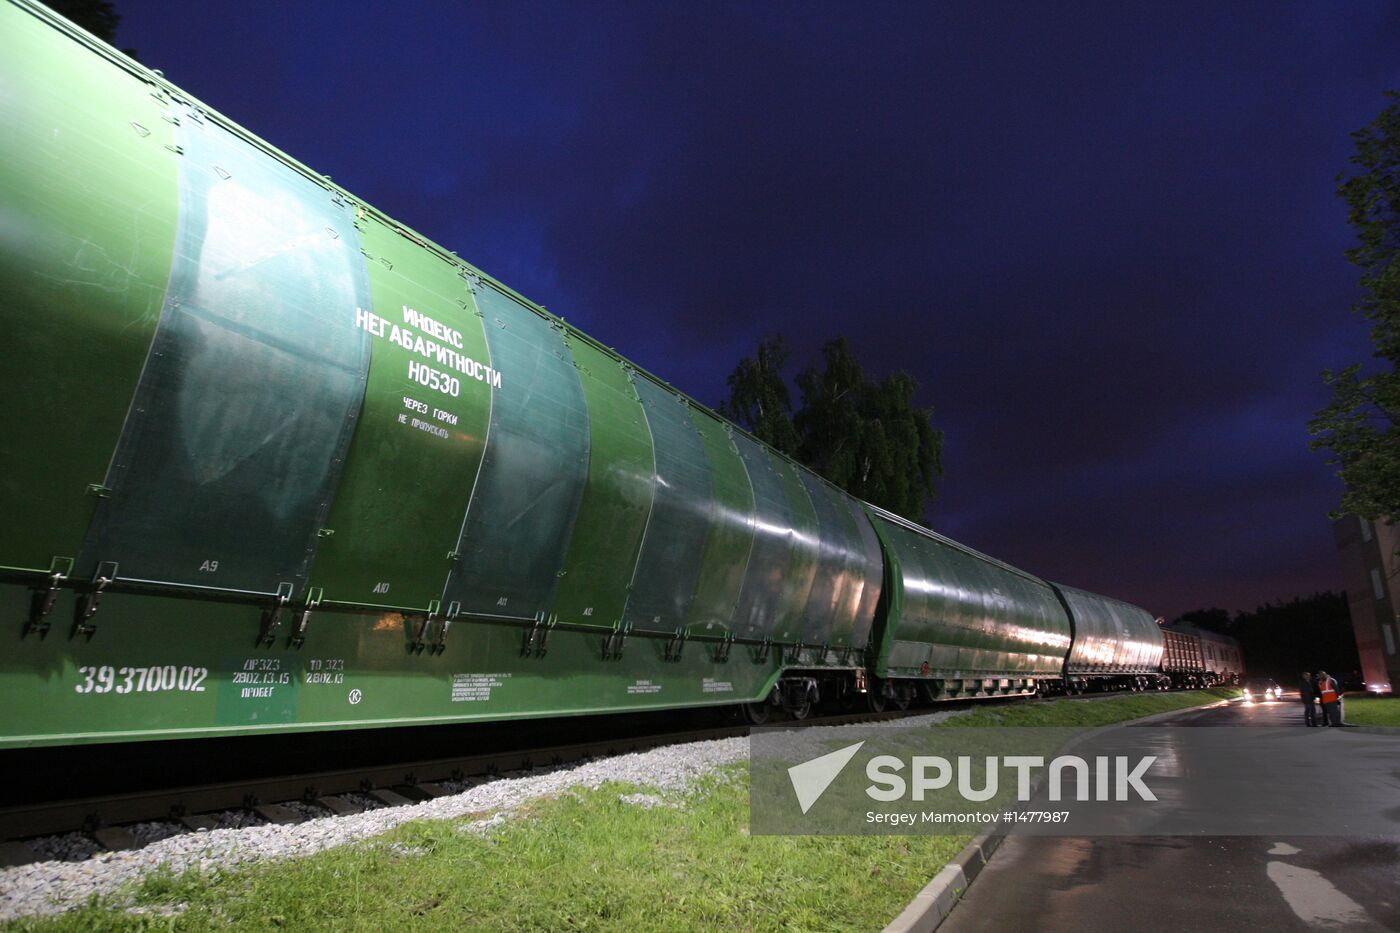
1082	884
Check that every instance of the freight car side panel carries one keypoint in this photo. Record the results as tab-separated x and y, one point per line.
841	570
731	536
527	491
235	441
164	668
420	435
806	550
871	568
682	513
616	500
761	601
1110	636
88	204
961	615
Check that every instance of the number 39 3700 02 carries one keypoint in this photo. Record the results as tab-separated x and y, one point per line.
123	680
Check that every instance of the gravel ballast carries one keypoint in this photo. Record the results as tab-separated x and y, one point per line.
61	884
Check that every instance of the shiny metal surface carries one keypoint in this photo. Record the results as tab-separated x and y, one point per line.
682	512
965	615
1110	636
255	377
527	493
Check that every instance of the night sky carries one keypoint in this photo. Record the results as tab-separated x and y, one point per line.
1105	240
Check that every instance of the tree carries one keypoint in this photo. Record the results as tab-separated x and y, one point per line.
1361	426
1281	639
758	396
867	437
1214	619
96	16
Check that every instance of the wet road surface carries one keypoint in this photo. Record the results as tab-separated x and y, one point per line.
1193	883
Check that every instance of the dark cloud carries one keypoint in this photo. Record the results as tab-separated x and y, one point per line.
1104	239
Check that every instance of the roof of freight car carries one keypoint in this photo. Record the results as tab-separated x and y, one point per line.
971	552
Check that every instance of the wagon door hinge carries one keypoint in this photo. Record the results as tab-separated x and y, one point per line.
612	645
723	648
298	636
536	642
272	616
676	644
41	603
765	649
440	643
89	601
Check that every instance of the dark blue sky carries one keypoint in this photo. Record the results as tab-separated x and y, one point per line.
1103	236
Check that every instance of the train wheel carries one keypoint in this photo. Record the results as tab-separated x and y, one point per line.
903	696
875	697
757	713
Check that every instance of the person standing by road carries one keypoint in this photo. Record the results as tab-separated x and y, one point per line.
1308	691
1331	697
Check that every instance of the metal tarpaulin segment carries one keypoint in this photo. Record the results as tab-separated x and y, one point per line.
762	609
532	474
88	213
869	568
806	541
681	516
616	501
235	440
827	619
1141	639
731	536
969	616
1111	636
408	474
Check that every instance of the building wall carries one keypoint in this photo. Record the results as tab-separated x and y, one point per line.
1371	569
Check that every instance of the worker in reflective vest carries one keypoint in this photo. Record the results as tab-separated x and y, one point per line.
1331	699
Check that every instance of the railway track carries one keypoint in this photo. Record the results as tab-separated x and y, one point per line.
105	816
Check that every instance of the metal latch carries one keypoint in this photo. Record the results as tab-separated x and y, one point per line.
612	645
89	601
41	604
676	644
272	617
298	636
536	641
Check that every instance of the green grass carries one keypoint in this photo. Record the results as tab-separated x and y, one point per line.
1373	711
582	861
1089	712
585	861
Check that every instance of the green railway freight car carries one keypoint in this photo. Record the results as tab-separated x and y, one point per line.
269	460
960	623
1116	644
